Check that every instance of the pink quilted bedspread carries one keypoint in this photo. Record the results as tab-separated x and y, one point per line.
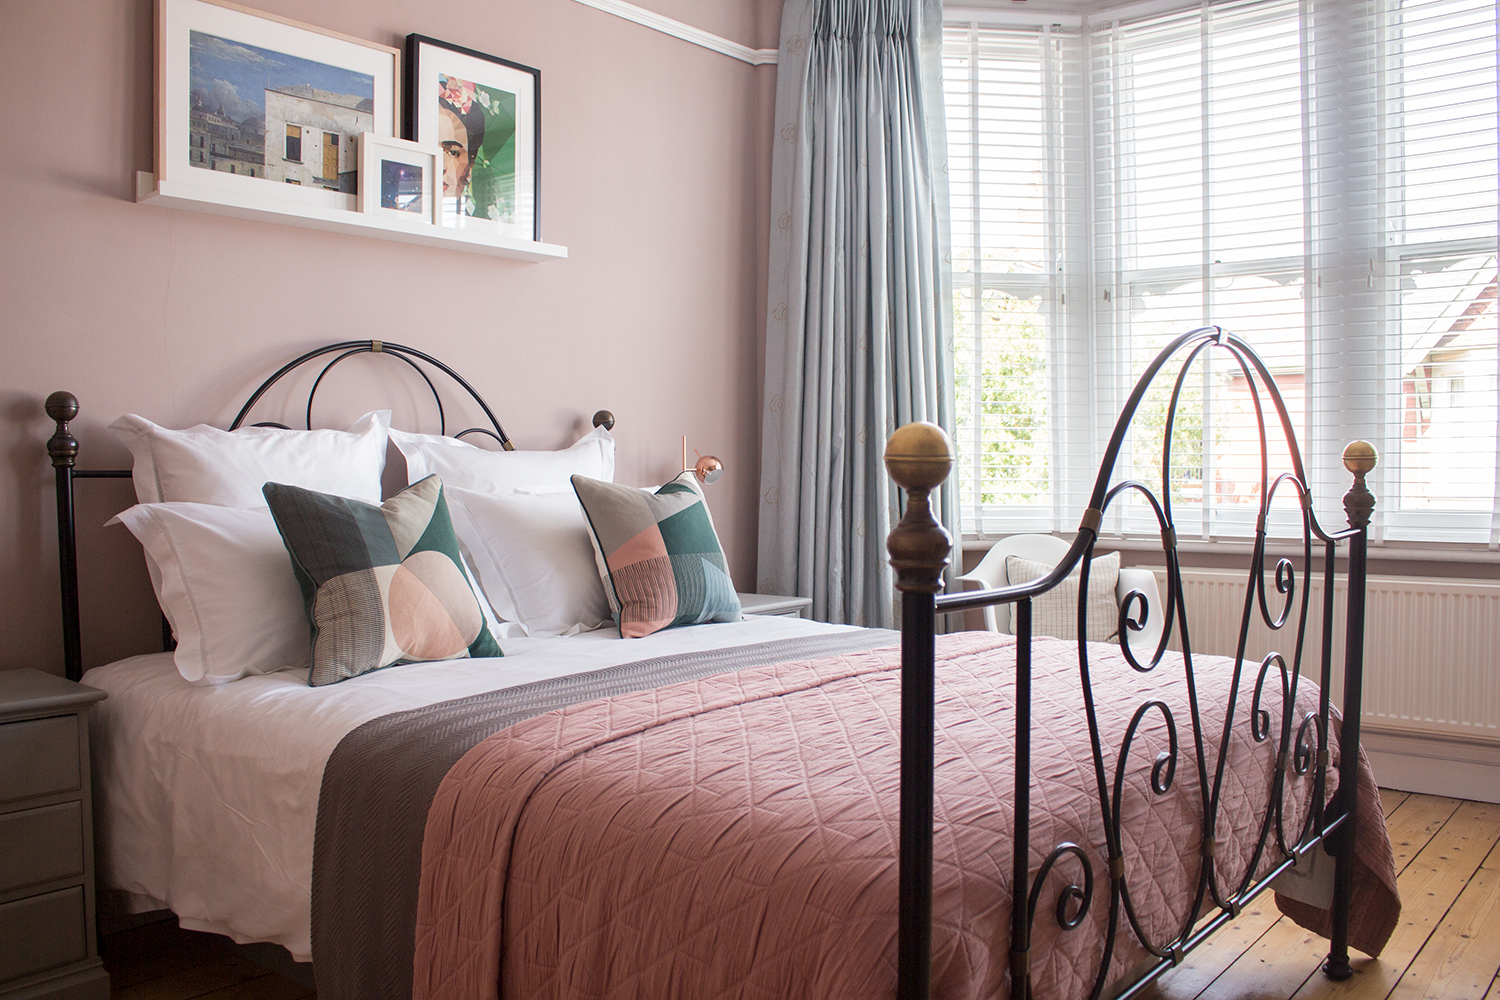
736	836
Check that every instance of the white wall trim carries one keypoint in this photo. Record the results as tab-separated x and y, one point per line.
1433	765
686	32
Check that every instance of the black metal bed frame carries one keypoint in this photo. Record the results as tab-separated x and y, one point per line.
62	448
919	457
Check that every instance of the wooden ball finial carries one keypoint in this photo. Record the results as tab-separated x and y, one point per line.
919	456
1360	457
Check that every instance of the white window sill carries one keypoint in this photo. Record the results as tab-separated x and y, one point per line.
1278	547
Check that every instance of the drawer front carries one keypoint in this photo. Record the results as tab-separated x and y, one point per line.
39	845
42	932
38	757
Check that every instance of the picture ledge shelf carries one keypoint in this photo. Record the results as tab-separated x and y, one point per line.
166	194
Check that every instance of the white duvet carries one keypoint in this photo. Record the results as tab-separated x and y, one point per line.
206	798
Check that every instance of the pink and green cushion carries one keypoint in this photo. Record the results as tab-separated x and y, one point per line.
658	555
381	585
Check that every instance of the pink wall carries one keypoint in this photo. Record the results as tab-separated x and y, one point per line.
655	162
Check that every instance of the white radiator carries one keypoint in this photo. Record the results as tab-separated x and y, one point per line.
1432	647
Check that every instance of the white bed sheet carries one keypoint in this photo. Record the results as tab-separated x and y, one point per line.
207	797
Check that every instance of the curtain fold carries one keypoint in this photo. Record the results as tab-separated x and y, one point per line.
857	339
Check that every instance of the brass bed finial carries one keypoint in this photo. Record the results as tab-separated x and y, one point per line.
1359	502
62	447
919	456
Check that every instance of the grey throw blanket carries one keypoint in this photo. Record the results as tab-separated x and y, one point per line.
380	780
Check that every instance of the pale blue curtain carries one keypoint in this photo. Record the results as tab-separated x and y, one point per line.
857	338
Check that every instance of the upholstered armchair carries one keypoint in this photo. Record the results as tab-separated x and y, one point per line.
1021	550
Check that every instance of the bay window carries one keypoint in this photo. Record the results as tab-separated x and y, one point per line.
1318	177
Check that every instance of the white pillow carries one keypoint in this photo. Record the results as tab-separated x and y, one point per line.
534	559
1055	613
224	580
463	465
225	583
206	465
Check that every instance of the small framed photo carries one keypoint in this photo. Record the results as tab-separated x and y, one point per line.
486	114
398	179
258	106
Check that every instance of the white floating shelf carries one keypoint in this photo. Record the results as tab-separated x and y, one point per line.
169	194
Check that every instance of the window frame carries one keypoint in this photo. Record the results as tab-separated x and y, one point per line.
1090	332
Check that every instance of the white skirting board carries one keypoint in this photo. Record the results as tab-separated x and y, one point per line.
1433	765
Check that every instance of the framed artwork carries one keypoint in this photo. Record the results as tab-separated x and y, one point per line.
257	106
486	115
398	179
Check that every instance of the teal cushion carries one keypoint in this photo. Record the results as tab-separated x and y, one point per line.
381	585
658	555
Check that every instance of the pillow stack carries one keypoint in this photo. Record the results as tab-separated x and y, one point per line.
270	549
216	560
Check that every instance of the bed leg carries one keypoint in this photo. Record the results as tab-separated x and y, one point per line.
914	933
1359	504
918	457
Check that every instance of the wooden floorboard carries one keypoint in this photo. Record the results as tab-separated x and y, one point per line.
160	961
1446	947
1429	886
1463	955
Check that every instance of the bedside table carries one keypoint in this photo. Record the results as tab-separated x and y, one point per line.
773	604
48	947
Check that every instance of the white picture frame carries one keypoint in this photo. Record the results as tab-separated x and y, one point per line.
387	188
260	108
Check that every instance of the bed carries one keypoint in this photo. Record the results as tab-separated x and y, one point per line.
769	806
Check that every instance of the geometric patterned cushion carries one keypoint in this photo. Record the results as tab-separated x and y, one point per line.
381	585
658	555
1055	613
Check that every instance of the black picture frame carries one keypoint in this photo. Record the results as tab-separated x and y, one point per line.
482	202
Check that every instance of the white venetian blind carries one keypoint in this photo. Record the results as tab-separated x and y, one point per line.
1318	177
1199	220
1440	196
1016	165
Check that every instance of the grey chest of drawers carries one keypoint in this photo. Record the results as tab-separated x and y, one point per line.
48	948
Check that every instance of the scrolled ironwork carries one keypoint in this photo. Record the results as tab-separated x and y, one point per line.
1163	772
1080	897
1297	757
1127	621
349	348
1260	724
1304	753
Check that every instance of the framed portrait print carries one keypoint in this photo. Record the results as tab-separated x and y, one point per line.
259	107
486	114
399	180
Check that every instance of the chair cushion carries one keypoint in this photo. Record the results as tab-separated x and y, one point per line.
1055	613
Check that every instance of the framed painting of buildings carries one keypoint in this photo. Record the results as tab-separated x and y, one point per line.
399	180
262	108
486	114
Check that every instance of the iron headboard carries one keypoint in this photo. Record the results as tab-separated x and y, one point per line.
62	448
